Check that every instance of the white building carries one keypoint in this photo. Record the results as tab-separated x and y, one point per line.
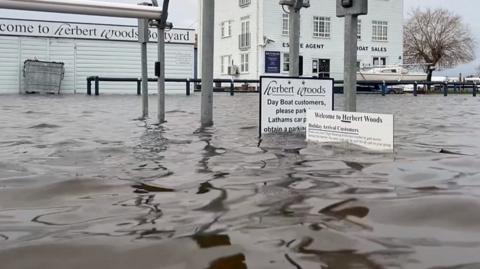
90	50
252	36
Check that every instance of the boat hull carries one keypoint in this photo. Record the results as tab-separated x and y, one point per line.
390	77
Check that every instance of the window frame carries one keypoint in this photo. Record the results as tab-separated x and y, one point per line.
285	62
285	23
226	27
244	63
244	3
320	22
379	31
359	30
223	68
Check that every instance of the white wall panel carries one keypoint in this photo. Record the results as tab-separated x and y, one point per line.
84	58
32	49
63	50
10	64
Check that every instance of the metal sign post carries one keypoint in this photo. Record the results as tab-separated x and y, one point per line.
208	26
294	7
351	9
143	37
161	26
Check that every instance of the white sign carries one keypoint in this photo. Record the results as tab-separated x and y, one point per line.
284	102
34	28
371	131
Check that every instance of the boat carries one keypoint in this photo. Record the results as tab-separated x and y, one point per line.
389	73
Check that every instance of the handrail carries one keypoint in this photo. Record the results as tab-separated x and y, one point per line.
232	82
85	7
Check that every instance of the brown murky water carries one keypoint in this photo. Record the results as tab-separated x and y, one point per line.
84	185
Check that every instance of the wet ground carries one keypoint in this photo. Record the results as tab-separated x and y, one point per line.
85	185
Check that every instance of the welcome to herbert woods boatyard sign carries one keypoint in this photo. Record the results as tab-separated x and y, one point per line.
284	102
51	29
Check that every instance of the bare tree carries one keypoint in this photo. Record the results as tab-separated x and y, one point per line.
437	39
478	70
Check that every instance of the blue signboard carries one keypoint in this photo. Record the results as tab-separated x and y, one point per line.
272	62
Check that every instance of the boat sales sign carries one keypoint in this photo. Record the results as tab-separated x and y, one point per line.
284	102
367	130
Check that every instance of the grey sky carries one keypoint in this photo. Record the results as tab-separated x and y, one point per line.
184	13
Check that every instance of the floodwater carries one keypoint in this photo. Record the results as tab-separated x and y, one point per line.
83	184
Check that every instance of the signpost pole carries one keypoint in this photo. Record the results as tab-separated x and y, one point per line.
161	78
350	64
294	40
161	26
294	7
143	39
350	10
208	26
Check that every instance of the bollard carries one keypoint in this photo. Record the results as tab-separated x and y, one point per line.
415	89
97	86
232	88
445	89
187	84
89	86
139	87
384	89
474	89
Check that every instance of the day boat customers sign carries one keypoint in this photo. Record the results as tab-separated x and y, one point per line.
367	130
33	28
284	102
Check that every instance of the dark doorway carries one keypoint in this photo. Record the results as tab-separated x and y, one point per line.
321	68
300	67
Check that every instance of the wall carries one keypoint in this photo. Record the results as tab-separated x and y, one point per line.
384	10
230	10
267	15
89	57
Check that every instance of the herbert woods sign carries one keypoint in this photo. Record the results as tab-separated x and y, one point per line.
370	131
88	31
284	102
305	106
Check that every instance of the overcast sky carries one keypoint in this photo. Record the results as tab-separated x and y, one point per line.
184	13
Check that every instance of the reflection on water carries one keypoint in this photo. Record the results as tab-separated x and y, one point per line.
81	180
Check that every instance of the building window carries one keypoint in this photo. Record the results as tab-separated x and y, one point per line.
379	30
226	62
226	29
243	3
286	62
285	23
244	38
379	61
359	30
321	27
244	63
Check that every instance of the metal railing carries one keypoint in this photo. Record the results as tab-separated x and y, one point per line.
376	87
188	83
